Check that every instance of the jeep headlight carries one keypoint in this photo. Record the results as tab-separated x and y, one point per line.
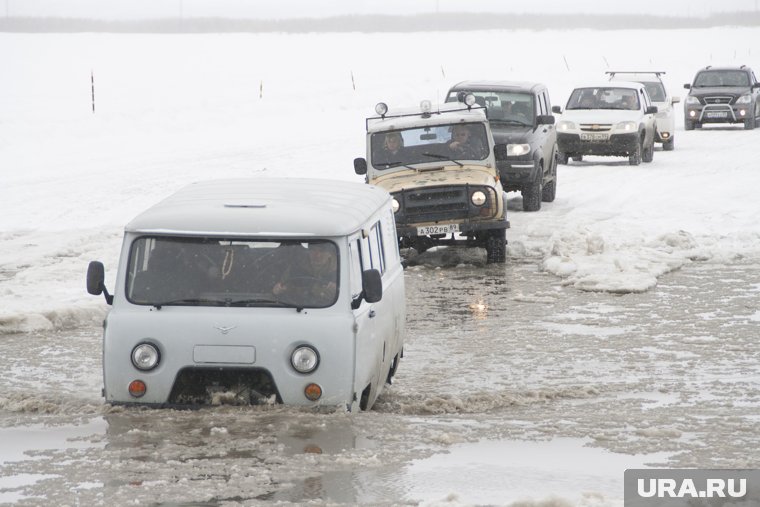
692	100
145	356
515	150
395	205
304	359
744	99
564	126
478	198
626	126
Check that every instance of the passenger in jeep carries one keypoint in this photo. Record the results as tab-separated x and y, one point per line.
464	145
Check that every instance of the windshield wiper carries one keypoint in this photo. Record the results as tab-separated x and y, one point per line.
509	120
185	301
396	164
256	301
443	157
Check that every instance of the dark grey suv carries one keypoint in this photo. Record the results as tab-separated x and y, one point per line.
523	130
722	95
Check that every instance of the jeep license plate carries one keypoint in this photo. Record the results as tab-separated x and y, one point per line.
716	114
595	136
429	230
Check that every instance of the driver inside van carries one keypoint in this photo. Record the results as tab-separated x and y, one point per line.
313	280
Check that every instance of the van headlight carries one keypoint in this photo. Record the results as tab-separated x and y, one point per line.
564	126
304	359
515	150
626	126
744	99
145	356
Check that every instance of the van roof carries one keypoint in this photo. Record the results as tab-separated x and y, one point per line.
297	207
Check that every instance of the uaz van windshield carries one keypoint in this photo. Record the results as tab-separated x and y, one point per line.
170	271
429	144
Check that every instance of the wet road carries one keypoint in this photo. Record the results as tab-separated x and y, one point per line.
509	380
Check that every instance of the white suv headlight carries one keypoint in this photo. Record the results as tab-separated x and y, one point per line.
304	359
744	99
145	356
564	126
692	100
626	126
514	150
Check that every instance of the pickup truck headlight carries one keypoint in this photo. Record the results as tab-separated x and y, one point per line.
692	101
564	126
515	150
744	99
626	126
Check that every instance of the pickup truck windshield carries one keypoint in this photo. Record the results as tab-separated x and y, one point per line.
458	141
171	271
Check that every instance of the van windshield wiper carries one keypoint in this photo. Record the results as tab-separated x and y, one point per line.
185	301
257	301
396	164
443	157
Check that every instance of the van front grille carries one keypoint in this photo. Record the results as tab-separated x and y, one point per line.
223	386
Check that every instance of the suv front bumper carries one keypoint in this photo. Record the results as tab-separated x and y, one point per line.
616	144
717	113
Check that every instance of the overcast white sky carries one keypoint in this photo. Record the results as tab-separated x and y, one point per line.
138	9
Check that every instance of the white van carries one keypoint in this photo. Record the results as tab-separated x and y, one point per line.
256	291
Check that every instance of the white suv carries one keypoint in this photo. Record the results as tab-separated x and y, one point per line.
613	119
665	118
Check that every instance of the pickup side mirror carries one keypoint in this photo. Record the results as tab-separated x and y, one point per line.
360	166
651	110
556	109
675	100
500	151
687	86
96	281
545	119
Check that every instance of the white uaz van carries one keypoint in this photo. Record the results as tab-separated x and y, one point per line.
259	290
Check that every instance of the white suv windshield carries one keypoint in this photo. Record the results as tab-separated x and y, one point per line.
212	272
459	141
603	98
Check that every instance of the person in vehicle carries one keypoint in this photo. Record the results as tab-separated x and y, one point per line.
464	145
313	280
392	144
628	102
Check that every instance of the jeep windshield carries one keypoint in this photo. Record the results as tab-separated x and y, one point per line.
433	143
603	98
171	271
711	78
502	107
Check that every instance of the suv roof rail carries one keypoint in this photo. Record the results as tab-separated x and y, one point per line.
613	72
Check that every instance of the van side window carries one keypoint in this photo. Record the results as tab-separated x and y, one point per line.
376	248
355	266
390	240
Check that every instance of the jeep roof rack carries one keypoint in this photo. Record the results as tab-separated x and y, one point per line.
423	113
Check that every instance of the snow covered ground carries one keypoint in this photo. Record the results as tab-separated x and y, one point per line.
172	109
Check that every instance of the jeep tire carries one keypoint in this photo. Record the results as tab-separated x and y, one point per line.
531	193
496	246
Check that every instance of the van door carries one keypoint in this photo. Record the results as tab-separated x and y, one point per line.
370	346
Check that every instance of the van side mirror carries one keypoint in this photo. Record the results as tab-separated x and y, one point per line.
545	119
651	110
556	109
96	281
756	85
372	288
360	166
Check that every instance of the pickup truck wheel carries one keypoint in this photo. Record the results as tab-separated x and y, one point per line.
648	153
669	145
549	191
688	125
496	247
531	193
634	158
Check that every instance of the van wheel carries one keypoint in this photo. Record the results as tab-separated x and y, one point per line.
531	193
364	400
634	158
496	247
549	191
392	370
